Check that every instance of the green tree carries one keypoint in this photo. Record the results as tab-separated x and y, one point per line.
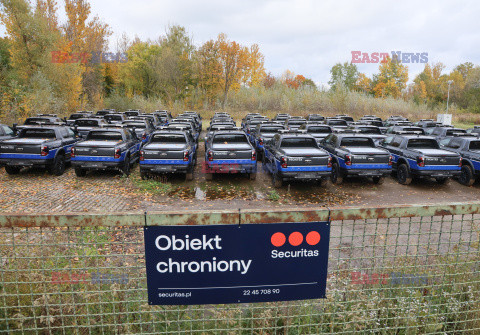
345	75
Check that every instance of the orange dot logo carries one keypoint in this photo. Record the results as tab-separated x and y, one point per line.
313	238
295	239
278	239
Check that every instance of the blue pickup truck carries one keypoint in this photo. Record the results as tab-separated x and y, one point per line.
230	151
295	156
357	155
107	148
469	149
169	151
44	146
420	156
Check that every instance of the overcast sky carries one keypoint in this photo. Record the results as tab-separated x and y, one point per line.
309	36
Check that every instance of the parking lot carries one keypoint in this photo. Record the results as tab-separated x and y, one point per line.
34	190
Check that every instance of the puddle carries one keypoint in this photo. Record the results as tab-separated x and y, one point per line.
221	193
182	192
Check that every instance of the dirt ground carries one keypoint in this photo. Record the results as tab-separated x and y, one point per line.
34	190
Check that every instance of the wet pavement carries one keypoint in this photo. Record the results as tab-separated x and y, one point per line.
35	190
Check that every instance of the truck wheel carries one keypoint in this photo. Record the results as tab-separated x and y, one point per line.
466	176
403	175
277	181
378	180
209	176
336	176
442	181
80	172
58	167
12	169
252	176
126	166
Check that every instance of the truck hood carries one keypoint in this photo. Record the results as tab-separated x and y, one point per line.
100	144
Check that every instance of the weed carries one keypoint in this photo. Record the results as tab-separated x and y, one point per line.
273	196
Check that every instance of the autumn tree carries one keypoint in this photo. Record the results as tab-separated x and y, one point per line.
391	80
209	70
256	69
363	84
234	59
428	84
87	35
269	80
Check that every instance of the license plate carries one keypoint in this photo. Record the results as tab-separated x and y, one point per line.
93	165
163	168
306	175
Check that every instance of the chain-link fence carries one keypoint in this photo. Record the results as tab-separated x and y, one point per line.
402	270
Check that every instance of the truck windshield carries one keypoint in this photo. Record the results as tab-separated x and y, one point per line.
369	130
36	120
416	130
229	138
76	116
104	136
270	129
113	117
422	143
86	123
298	142
169	138
139	125
37	133
456	131
337	122
362	142
474	145
132	113
319	130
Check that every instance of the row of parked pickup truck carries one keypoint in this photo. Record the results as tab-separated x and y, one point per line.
290	148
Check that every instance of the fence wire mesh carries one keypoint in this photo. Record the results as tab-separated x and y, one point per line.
410	275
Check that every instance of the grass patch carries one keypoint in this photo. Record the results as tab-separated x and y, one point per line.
153	186
273	196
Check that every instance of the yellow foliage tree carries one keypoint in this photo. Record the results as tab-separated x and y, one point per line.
234	59
391	80
363	84
256	67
